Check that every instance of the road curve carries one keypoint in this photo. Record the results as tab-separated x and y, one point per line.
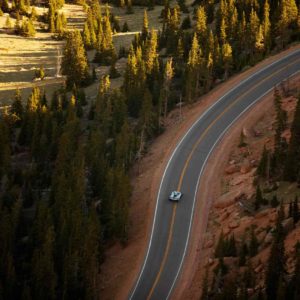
172	222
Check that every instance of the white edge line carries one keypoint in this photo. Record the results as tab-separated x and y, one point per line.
203	167
178	145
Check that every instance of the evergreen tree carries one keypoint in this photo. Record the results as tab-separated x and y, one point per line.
258	198
8	23
4	149
44	277
276	262
125	27
219	251
253	246
295	214
262	169
168	75
274	201
145	29
192	77
17	106
201	26
74	62
243	253
227	58
267	26
292	165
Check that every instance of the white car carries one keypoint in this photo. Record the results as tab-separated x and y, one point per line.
175	196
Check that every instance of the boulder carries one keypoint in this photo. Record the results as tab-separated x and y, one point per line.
237	181
245	167
231	169
227	199
246	132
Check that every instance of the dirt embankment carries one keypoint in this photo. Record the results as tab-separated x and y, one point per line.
122	265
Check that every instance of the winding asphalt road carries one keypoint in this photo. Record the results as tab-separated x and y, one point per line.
172	221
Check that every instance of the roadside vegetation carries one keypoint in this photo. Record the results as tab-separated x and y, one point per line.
65	159
259	258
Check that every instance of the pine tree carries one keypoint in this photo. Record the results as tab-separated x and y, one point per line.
219	251
262	169
253	246
27	28
258	198
201	26
267	26
243	253
4	149
253	31
292	165
129	9
145	29
44	281
223	34
17	106
151	54
274	201
226	58
276	262
87	36
192	78
8	23
295	210
168	75
232	247
74	62
146	118
125	27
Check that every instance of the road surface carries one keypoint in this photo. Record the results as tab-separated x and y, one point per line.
172	221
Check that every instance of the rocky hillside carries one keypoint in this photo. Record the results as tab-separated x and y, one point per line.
252	210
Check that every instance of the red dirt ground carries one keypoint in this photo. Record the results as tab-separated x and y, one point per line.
122	265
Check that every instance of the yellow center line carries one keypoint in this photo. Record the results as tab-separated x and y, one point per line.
170	234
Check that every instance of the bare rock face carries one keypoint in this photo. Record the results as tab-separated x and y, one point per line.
246	133
231	169
258	269
269	238
261	236
245	167
208	244
227	199
224	216
288	224
234	224
262	214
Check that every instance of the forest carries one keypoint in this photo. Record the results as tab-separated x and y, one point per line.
65	161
